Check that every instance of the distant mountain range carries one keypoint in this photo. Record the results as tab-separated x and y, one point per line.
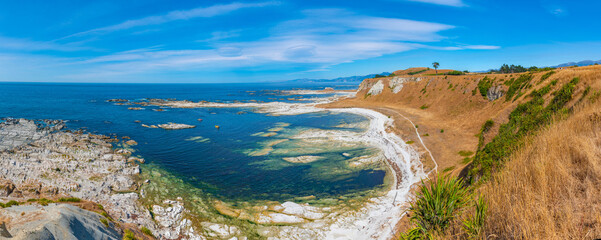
580	64
351	79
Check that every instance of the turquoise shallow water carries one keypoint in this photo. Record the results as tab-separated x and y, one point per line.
216	161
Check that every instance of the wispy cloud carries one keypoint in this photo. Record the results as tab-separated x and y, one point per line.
452	3
554	7
220	35
200	12
322	38
27	45
465	47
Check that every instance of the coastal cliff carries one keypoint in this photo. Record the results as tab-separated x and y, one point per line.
486	130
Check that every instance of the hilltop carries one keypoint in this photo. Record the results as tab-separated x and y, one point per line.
474	124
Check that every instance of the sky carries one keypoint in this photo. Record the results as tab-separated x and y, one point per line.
157	41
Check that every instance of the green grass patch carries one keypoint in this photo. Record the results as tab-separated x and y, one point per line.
41	201
546	75
417	72
128	235
146	231
409	142
455	73
484	85
69	199
9	204
105	222
465	153
424	107
485	128
451	168
515	86
594	96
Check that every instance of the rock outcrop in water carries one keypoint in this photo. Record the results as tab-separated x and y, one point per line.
175	126
170	126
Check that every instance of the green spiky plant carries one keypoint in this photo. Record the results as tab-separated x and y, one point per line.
473	226
437	204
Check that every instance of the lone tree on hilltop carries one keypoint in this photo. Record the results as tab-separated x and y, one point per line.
436	65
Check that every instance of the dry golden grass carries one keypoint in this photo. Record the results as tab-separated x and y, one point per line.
551	188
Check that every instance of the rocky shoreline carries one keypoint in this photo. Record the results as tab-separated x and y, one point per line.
40	163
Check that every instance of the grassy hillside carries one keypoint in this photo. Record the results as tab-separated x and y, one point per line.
549	188
528	160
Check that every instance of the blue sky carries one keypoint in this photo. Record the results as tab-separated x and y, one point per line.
248	41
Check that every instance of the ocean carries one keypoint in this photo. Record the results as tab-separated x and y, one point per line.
220	162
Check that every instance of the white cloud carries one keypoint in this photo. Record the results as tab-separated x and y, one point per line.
453	3
201	12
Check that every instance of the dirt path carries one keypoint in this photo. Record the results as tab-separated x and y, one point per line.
387	111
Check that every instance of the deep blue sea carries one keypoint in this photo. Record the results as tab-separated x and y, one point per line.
218	165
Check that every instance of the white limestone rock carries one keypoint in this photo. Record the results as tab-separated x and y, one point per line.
376	88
